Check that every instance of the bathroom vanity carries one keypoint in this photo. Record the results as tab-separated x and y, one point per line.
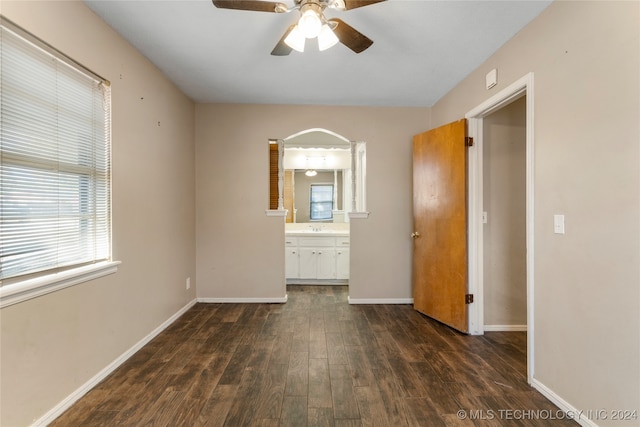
317	255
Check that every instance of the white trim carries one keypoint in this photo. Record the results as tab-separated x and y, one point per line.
234	300
475	229
276	212
380	300
572	412
358	215
505	328
32	288
66	403
523	86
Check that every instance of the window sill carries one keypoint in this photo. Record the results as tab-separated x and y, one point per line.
32	288
358	215
276	212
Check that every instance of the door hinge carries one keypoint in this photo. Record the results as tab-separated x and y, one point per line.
468	140
468	299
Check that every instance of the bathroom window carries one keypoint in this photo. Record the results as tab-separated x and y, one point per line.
321	202
55	175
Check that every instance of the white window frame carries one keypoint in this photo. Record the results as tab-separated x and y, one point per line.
311	202
18	288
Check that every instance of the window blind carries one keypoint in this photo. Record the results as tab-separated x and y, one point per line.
321	202
55	172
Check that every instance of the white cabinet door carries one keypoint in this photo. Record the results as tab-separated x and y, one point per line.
308	263
342	263
326	263
291	266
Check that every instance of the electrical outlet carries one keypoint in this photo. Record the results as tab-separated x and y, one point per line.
188	285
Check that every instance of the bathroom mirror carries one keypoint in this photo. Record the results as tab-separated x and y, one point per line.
317	176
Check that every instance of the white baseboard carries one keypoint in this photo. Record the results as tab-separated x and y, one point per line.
581	417
505	328
244	300
380	300
57	410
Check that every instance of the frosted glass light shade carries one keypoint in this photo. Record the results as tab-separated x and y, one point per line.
327	38
295	40
310	24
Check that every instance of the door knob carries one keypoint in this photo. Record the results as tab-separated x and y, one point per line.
415	235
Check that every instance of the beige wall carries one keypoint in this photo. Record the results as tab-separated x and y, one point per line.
53	344
585	57
240	251
504	200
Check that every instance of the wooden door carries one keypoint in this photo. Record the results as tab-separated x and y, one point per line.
440	224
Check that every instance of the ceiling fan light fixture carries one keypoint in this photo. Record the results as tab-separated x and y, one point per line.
310	23
295	40
327	38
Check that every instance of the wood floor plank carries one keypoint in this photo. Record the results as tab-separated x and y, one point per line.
294	411
410	382
336	352
268	402
298	374
345	404
314	361
318	347
78	413
282	349
319	384
214	413
348	422
422	412
241	413
371	406
320	417
361	369
339	372
236	366
390	393
163	409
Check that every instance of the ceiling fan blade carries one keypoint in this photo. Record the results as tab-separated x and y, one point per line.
353	4
350	37
283	49
253	5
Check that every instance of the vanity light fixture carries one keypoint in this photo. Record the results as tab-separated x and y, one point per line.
311	172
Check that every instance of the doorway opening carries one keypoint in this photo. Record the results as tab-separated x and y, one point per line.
500	304
317	178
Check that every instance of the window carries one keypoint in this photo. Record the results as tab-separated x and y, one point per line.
321	202
55	160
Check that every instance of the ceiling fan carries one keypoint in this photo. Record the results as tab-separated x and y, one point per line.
311	24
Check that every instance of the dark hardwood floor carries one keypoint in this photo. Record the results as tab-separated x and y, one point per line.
317	361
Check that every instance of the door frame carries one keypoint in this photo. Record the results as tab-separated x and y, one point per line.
521	87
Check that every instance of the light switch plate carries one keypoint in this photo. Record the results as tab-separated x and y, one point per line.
558	224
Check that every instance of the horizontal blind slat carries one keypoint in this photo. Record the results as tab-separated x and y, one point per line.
55	168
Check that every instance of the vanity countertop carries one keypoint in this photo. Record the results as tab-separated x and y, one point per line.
323	233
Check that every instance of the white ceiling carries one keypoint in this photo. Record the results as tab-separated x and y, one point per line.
421	50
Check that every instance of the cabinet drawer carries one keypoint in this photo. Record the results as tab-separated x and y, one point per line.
290	241
316	241
342	242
